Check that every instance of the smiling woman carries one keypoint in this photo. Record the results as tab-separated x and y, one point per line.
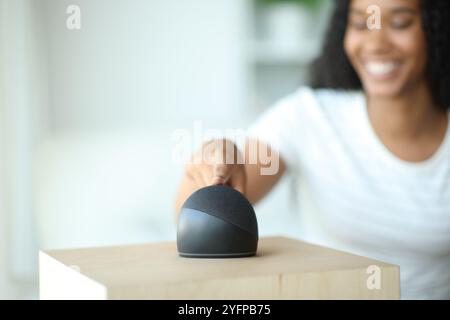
392	60
404	22
369	142
402	67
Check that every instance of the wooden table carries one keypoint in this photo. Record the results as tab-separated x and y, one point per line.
282	269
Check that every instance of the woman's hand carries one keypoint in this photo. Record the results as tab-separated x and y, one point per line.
218	162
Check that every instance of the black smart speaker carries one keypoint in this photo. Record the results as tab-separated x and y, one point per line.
217	222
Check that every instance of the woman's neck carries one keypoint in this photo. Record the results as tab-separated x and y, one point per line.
411	126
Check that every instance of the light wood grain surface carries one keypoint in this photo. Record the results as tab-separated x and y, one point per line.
282	269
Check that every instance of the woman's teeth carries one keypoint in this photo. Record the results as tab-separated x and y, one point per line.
381	68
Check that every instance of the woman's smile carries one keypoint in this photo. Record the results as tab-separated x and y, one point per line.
381	69
390	61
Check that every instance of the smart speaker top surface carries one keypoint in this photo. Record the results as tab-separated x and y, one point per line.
225	203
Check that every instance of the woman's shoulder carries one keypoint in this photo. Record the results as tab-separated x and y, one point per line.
326	97
308	106
308	101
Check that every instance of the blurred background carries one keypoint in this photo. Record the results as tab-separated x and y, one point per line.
87	115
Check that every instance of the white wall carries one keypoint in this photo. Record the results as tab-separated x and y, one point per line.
118	88
6	287
146	63
97	108
23	113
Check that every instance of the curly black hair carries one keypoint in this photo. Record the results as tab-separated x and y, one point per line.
333	69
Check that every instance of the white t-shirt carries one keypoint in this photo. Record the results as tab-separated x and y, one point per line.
357	196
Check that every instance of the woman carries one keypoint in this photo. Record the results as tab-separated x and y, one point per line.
369	143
